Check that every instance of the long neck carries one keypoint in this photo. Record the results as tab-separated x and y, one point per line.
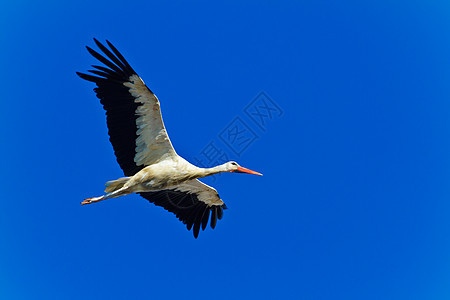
203	172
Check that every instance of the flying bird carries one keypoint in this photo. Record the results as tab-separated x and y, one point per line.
143	149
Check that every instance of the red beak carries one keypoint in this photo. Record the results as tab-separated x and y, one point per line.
245	170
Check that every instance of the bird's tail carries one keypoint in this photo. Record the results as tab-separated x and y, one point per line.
114	185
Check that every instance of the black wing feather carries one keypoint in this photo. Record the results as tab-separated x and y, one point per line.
120	56
205	219
106	70
219	213
110	55
198	221
104	74
192	217
213	217
91	78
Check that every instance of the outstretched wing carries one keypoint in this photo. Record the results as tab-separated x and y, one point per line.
135	126
192	202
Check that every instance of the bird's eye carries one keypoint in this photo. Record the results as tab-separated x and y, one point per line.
234	164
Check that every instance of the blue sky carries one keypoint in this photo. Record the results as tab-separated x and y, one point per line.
354	201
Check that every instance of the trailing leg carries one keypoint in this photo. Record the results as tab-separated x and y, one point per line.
117	193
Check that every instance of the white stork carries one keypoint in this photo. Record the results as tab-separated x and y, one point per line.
144	151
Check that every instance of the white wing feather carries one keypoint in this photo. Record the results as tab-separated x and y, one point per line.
204	192
153	143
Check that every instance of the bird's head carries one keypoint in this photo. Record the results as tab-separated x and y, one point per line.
233	166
